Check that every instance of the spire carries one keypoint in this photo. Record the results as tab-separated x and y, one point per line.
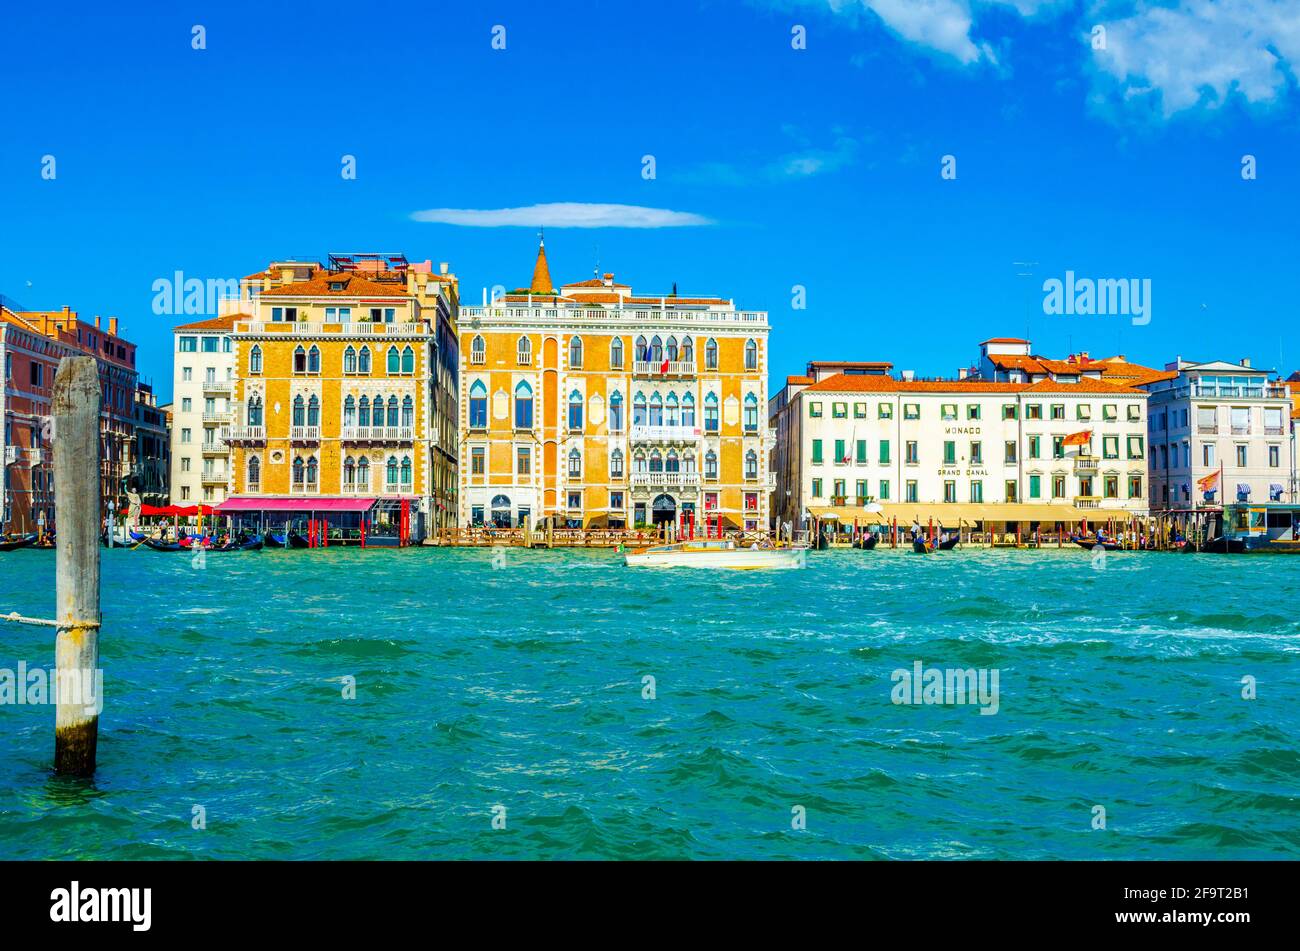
541	272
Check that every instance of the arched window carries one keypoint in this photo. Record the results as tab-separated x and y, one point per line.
394	361
255	360
688	409
255	411
656	461
363	475
751	465
391	474
656	349
363	414
711	354
363	361
349	473
297	471
656	410
616	464
408	360
313	411
673	463
478	350
642	351
406	472
254	473
638	410
575	352
392	412
751	355
616	412
710	413
575	464
751	413
575	410
670	349
524	351
313	359
299	359
313	471
711	465
523	405
616	353
478	405
350	412
299	411
350	360
672	413
638	461
688	350
688	461
408	411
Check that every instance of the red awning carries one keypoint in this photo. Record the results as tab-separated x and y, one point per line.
265	504
184	511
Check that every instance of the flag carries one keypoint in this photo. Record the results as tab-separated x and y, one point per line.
663	368
1210	482
1079	439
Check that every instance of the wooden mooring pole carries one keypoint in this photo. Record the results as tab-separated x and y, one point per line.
77	502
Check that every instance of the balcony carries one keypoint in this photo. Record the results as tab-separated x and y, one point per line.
1274	430
300	328
378	434
213	478
216	448
653	368
244	434
304	434
1241	430
218	388
646	433
216	419
1087	501
666	480
1084	463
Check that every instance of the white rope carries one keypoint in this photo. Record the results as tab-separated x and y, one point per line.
17	618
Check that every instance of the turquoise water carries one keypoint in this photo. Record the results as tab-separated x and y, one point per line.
521	686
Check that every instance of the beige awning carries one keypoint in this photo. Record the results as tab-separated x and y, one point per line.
951	514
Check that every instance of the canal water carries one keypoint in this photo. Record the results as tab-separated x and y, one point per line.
510	689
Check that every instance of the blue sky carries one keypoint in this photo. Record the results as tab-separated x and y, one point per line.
817	167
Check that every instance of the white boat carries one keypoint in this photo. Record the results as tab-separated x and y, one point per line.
714	553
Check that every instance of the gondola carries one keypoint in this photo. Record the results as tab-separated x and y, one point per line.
1092	543
1222	545
295	540
16	543
159	545
950	543
867	543
920	547
247	544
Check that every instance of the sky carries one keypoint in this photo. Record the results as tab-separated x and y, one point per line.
889	179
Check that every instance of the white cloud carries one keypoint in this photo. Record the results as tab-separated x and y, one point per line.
806	161
1200	53
564	214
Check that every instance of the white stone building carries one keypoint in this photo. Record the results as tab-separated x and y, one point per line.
202	388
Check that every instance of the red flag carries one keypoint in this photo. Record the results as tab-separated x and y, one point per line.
1209	482
664	367
1079	439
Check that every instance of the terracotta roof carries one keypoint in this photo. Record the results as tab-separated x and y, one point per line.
353	286
541	283
798	380
1003	340
1016	362
595	282
846	383
214	323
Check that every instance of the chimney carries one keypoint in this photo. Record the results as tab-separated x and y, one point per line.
112	326
609	279
909	375
97	321
286	275
961	373
443	267
1245	361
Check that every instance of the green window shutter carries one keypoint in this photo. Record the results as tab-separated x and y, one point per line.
862	450
817	451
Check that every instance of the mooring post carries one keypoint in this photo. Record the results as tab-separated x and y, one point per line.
75	407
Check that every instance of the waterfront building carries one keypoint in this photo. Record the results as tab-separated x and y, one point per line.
118	379
1220	431
345	395
203	386
1011	360
151	458
971	451
601	407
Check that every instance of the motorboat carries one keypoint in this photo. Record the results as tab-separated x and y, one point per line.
715	553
